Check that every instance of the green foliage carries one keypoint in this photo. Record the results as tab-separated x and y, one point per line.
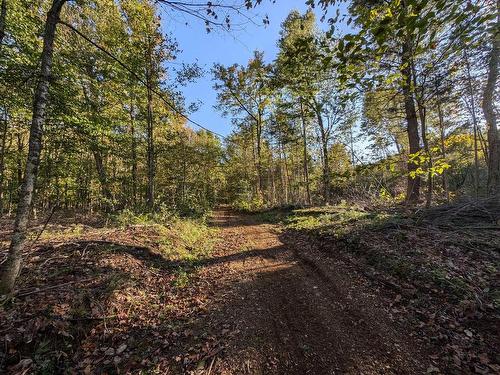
324	219
386	196
253	205
297	135
128	217
422	161
95	148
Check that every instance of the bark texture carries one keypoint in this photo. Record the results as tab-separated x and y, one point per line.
3	14
304	141
134	154
12	266
490	113
324	133
3	149
150	194
413	187
103	177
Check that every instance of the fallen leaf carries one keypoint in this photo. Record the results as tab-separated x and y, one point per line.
121	349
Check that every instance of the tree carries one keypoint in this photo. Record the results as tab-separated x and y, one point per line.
246	90
67	96
489	109
12	266
407	33
300	71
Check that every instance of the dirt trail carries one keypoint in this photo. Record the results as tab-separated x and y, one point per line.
291	310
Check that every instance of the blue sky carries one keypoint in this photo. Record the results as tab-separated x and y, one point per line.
225	48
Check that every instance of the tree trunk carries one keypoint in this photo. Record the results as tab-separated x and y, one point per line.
304	143
422	112
443	148
12	266
272	180
134	155
413	187
256	185
484	145
294	191
423	127
3	14
19	158
259	153
3	151
324	150
150	161
490	114
285	173
103	178
150	151
474	123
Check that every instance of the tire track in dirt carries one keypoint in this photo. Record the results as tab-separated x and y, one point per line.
293	311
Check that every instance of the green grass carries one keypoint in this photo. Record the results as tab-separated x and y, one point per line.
179	239
181	278
351	228
186	240
339	221
183	239
61	233
328	220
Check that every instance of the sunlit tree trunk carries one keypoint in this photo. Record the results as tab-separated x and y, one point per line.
304	145
292	173
3	15
443	148
272	178
259	152
254	157
285	173
324	151
490	113
3	150
413	187
12	266
133	154
150	193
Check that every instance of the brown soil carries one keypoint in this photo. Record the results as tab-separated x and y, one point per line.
264	302
294	311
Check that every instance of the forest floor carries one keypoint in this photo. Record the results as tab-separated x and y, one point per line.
330	290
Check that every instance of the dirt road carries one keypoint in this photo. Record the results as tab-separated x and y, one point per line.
291	310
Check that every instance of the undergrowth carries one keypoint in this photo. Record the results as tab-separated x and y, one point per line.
133	268
182	241
398	244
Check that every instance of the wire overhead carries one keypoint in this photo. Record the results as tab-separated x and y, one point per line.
142	81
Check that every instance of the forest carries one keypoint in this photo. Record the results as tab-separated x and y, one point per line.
340	216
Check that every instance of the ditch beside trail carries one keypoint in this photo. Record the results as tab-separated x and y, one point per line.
288	309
